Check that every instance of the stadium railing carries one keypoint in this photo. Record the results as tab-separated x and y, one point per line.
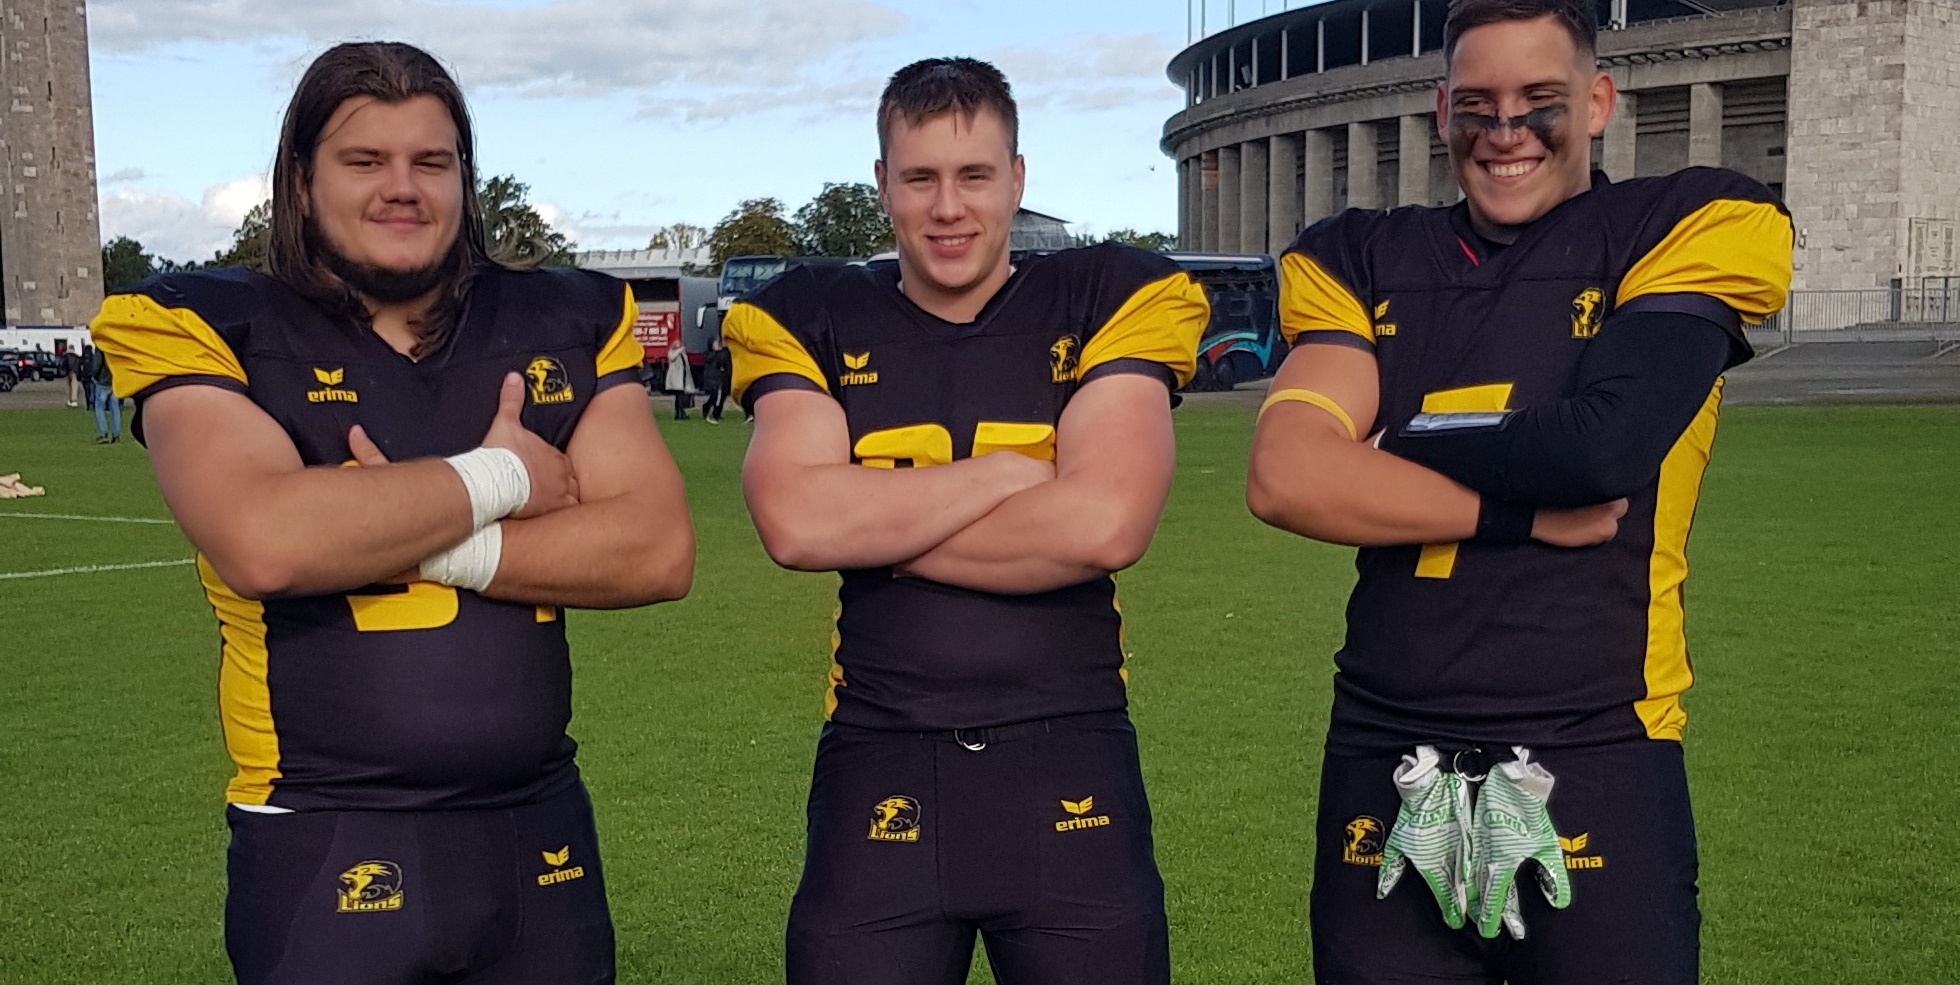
1927	311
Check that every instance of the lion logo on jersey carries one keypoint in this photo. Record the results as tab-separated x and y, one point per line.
1064	359
896	818
373	886
549	384
1365	836
1586	314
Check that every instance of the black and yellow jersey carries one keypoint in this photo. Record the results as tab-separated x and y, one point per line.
910	653
1527	643
416	696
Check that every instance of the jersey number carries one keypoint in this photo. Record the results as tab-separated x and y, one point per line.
926	445
1439	560
421	605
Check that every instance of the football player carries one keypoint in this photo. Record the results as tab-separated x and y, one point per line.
1508	404
977	445
400	462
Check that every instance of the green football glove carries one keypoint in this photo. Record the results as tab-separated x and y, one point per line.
1512	828
1432	833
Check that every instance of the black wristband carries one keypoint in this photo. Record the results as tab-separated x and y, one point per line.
1503	522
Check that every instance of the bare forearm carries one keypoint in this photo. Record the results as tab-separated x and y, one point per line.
598	555
1347	492
840	517
321	530
1056	534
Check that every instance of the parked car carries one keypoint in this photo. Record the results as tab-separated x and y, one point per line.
49	365
9	369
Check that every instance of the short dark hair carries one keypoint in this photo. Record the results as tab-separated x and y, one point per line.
934	87
388	72
1576	16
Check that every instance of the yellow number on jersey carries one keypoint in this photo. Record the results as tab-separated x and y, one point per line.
422	605
926	445
1439	560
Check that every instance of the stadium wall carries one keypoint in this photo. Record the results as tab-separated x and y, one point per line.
1845	108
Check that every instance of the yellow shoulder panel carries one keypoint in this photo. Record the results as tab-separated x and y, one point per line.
1734	251
146	343
1162	322
623	351
1312	300
759	346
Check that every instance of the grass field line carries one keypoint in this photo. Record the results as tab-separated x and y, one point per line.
79	516
89	569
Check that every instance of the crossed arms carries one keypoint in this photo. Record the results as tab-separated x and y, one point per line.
1571	463
606	525
1002	523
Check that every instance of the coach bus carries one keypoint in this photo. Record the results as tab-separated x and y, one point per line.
740	275
1243	341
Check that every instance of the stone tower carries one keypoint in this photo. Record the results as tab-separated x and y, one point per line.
1874	176
50	239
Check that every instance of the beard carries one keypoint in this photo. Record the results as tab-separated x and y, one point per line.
381	284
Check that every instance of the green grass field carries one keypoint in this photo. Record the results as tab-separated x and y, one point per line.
1823	619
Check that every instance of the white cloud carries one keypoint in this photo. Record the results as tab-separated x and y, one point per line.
170	225
700	58
124	175
1090	72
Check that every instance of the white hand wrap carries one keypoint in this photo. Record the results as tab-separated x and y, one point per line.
471	564
497	482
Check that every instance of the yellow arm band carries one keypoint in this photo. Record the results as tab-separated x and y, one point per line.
1319	400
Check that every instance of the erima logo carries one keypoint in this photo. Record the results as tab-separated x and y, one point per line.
1063	361
330	379
559	873
1365	836
374	886
896	818
856	374
1383	329
1586	316
1573	846
1079	822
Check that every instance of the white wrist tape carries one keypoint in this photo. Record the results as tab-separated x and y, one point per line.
496	480
471	564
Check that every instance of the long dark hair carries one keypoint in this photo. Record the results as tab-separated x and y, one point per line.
388	72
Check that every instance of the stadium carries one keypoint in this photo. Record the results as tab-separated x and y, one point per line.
1826	545
1844	109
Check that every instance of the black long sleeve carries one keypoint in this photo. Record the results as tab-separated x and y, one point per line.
1638	386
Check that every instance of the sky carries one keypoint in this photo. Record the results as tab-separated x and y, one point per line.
627	115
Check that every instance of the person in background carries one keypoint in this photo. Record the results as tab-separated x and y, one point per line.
678	383
72	365
716	372
108	409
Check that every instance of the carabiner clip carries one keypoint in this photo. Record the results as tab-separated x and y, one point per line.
968	746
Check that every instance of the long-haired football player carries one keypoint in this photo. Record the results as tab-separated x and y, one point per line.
400	463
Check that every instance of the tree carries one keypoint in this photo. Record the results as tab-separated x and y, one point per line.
680	237
755	228
1154	242
844	220
514	230
248	244
124	262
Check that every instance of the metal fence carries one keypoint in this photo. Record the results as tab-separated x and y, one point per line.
1927	311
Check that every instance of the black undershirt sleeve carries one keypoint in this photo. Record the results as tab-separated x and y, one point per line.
1638	386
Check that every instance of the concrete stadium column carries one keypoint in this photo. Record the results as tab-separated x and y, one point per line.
1230	192
1283	195
1317	164
1185	227
1362	161
1208	205
1253	188
1705	125
1412	183
1616	157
